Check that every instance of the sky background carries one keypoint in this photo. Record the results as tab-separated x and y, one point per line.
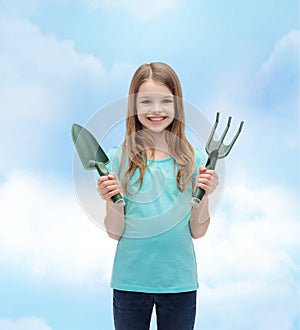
63	61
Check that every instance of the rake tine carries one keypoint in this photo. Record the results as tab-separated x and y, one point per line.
224	133
228	147
210	138
215	150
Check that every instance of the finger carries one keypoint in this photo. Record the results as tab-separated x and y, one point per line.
102	179
206	176
106	187
208	189
112	193
112	175
202	169
204	182
103	185
211	172
109	192
208	179
208	185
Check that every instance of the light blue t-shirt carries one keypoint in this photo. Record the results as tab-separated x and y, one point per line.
156	252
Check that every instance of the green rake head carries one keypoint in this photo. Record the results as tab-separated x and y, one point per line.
215	150
221	148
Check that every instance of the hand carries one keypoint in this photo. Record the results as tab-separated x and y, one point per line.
108	186
207	180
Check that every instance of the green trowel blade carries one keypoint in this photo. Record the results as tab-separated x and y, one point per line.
87	147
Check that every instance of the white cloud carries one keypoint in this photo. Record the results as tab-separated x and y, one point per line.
261	225
43	80
247	305
44	232
268	101
277	80
144	10
40	74
15	6
285	54
248	264
26	323
248	258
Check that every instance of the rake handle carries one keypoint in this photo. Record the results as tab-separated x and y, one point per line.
199	192
102	170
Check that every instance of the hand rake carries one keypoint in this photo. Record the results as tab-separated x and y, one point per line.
215	150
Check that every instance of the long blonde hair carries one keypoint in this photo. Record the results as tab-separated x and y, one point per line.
135	142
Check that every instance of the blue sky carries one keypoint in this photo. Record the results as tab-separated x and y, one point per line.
62	62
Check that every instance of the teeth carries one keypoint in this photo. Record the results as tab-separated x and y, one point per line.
156	118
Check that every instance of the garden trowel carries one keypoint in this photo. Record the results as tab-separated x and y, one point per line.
92	155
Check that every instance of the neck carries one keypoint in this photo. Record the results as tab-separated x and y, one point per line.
159	146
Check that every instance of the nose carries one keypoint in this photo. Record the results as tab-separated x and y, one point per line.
156	108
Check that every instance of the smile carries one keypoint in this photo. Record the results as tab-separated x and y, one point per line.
156	119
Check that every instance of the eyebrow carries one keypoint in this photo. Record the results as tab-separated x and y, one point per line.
139	96
143	96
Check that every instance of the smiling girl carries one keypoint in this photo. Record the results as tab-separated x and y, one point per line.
156	168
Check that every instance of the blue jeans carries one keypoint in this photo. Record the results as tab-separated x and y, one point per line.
133	310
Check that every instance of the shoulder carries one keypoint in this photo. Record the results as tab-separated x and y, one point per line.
114	155
200	156
115	151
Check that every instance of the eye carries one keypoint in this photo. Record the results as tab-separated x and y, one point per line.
167	101
146	102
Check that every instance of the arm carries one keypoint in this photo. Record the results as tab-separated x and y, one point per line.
200	218
114	221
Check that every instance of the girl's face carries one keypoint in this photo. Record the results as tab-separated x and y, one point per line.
155	106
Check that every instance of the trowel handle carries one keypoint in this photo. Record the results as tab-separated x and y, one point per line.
199	192
102	170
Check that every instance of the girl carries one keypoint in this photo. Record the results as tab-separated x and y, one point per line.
157	168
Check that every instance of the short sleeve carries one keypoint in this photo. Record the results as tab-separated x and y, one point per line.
114	155
200	159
